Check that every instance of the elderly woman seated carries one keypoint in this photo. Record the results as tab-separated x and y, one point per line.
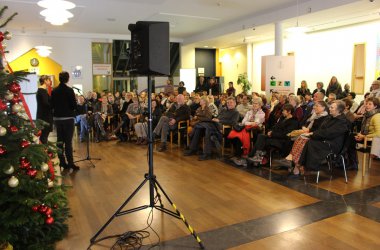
370	127
241	140
329	137
320	112
277	137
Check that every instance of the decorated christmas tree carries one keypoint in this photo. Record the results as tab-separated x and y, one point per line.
33	206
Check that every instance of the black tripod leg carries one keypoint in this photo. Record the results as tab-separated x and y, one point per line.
158	195
118	212
180	215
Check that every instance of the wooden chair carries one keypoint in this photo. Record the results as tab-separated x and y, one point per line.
182	128
366	150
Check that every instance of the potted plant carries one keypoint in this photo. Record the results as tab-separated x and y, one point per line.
243	81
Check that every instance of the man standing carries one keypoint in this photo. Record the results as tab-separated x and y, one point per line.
64	104
177	112
44	111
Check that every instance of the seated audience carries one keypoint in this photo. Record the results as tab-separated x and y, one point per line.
277	136
312	124
177	112
295	102
195	104
349	115
244	106
375	92
141	127
181	87
329	137
211	105
241	140
276	113
371	120
211	130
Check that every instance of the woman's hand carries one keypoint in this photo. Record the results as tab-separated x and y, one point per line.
305	130
359	137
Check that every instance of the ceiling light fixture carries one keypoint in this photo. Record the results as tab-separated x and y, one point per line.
43	51
297	28
56	11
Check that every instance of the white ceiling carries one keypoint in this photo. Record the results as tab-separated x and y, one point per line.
219	23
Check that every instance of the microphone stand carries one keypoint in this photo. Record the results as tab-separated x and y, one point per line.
88	157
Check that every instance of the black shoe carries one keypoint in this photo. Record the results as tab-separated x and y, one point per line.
189	152
74	167
162	147
64	165
204	157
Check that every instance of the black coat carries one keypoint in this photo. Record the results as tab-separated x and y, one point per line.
44	111
63	101
329	136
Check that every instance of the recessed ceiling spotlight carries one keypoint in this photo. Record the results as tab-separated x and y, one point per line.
205	46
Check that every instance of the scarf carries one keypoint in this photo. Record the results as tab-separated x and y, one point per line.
366	121
252	117
314	117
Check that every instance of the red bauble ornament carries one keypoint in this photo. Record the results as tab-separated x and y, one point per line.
31	172
39	133
3	106
16	99
42	209
49	220
24	163
25	143
51	170
50	154
13	129
3	150
49	211
1	36
35	208
14	87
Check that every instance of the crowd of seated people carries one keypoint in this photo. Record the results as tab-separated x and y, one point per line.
304	128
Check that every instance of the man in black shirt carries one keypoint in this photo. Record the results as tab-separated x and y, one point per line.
64	105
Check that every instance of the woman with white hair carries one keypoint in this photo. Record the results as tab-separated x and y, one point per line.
241	140
211	105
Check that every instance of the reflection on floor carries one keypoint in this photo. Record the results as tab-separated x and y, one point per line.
230	207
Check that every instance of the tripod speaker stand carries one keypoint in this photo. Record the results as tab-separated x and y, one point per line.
88	157
154	188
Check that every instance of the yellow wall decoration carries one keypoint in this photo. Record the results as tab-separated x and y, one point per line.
46	65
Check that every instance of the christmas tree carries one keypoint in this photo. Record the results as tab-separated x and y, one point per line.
33	206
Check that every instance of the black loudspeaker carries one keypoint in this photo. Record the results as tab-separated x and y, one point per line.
149	52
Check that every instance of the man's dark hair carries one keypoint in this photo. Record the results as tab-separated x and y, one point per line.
288	107
352	94
64	77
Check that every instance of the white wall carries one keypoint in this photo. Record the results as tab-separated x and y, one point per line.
321	55
234	62
67	51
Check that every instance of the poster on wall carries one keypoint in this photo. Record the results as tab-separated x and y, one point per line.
277	74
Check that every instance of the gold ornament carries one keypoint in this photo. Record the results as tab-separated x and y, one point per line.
16	108
13	182
44	167
3	131
10	170
9	95
50	183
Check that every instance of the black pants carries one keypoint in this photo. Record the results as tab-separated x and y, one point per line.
65	131
45	134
